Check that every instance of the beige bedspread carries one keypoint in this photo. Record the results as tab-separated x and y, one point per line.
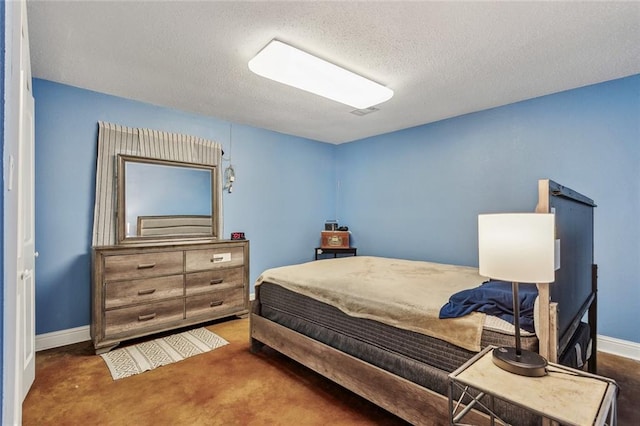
403	293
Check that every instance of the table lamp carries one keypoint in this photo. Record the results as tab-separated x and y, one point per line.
517	247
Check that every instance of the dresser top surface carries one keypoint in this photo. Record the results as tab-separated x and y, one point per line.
170	244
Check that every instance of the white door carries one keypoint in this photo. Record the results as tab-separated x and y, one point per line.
19	254
26	240
25	293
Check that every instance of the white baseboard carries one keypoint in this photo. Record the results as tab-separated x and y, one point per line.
56	339
623	348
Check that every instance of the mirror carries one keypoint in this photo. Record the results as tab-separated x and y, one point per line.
159	199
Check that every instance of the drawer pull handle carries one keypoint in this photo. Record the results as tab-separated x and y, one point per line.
146	265
216	303
145	292
146	317
217	258
217	281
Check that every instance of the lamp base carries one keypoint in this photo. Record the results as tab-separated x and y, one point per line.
526	364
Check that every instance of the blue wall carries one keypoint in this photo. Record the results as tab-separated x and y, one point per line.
414	193
417	193
283	193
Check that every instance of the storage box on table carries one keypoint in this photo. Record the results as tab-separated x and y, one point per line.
334	239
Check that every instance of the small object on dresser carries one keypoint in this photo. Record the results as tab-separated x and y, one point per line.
237	236
334	239
330	225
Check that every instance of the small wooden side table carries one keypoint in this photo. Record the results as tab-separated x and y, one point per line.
336	251
564	395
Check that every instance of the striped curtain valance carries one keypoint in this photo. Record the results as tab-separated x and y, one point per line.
114	139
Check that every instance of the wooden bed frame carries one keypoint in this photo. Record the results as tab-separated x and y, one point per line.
574	291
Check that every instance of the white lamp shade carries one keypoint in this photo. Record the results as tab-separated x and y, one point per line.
517	247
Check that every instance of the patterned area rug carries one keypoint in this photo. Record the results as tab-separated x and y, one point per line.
135	359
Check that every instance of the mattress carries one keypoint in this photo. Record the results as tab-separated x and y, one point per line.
324	323
402	293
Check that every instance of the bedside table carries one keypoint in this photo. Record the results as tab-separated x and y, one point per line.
335	251
564	395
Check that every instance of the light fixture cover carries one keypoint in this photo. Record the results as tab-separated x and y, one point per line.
517	247
288	65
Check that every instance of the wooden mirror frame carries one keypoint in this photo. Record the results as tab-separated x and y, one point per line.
216	193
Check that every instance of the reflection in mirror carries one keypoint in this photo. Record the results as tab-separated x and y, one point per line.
165	199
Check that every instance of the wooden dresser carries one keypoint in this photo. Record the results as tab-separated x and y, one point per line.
140	289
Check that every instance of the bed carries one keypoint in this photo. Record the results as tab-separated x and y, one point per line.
399	360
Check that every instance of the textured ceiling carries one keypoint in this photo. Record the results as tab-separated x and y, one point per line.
442	59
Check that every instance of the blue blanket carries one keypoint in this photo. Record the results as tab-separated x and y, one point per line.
494	298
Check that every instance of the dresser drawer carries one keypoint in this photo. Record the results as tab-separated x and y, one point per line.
143	316
122	293
217	279
214	258
214	304
129	266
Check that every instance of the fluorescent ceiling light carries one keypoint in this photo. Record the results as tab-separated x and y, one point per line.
286	64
